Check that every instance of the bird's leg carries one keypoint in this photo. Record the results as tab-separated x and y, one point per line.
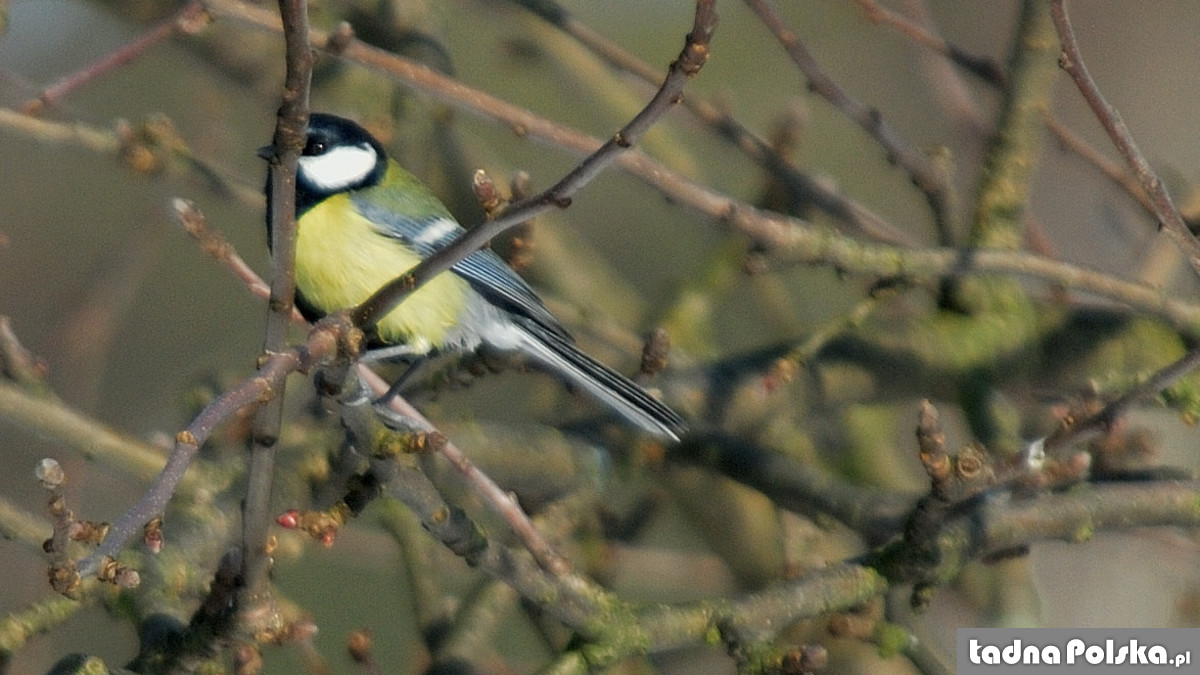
415	367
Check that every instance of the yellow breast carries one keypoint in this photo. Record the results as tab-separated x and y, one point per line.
341	259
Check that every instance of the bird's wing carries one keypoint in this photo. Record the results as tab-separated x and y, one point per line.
487	273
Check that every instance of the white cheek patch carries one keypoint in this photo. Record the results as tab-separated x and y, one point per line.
340	168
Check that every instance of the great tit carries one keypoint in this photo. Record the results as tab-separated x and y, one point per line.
363	220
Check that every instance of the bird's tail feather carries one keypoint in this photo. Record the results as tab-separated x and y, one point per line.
616	391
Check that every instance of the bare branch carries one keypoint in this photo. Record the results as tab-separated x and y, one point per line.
990	526
1164	208
321	346
982	67
290	133
184	19
925	174
1103	419
503	503
757	148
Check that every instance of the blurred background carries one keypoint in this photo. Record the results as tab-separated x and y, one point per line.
136	325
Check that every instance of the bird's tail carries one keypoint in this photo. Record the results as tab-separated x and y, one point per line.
623	396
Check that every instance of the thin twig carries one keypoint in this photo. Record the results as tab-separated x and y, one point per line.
1164	208
502	503
108	141
51	418
215	244
46	131
1110	413
124	54
983	67
925	175
952	92
992	73
263	385
572	599
1114	171
822	195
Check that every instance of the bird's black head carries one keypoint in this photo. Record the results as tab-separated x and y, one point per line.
338	156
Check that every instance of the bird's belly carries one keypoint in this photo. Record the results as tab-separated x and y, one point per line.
342	259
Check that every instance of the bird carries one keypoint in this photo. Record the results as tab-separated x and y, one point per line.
363	220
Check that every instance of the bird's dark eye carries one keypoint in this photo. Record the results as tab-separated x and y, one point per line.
315	146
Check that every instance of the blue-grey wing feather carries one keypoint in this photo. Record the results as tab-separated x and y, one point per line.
487	273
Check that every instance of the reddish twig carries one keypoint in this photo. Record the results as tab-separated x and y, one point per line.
502	503
261	386
216	245
184	19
